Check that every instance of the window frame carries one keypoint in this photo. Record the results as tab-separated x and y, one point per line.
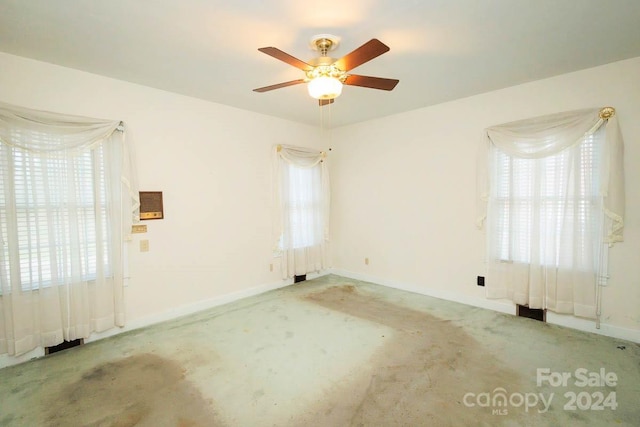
588	160
310	204
30	206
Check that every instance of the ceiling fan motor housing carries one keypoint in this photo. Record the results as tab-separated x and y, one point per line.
324	43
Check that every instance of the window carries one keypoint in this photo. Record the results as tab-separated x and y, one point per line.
548	199
38	210
67	202
551	189
52	230
303	208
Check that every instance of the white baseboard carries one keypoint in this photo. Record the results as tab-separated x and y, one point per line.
174	313
196	307
191	308
6	360
588	325
503	306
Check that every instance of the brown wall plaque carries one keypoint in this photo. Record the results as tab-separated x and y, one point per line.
151	205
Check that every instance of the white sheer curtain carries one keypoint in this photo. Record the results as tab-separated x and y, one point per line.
301	209
67	203
552	191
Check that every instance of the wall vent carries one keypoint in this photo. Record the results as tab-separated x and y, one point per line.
63	346
531	313
297	279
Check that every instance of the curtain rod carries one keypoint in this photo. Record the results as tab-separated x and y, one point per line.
279	149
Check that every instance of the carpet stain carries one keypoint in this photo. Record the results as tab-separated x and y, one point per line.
141	390
419	374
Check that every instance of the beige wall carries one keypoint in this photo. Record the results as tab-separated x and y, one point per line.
404	189
212	164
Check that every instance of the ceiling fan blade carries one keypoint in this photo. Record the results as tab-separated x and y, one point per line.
285	57
279	85
371	82
323	102
364	53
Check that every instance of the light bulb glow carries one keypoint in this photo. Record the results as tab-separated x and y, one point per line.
324	87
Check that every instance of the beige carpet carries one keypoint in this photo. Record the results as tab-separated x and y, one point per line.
333	352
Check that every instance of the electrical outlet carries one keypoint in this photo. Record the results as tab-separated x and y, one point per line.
270	267
366	261
144	245
480	281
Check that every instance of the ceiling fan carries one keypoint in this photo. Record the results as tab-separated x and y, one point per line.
325	75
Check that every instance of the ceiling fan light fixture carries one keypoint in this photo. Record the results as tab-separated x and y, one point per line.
324	87
324	75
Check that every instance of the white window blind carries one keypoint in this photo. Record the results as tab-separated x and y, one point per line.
39	209
550	199
551	191
304	206
67	202
301	208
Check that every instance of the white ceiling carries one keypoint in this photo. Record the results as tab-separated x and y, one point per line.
440	49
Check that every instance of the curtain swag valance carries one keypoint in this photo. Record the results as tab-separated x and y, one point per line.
75	132
69	200
548	135
282	182
300	156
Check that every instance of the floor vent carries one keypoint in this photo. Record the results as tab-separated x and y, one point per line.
297	279
63	346
532	313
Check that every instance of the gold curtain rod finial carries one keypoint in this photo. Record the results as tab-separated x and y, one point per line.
607	113
279	148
